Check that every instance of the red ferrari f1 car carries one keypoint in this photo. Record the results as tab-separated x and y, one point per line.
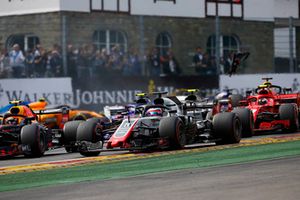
273	107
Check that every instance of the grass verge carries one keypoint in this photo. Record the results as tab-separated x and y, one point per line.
120	169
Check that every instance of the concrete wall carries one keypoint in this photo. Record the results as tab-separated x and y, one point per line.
46	26
256	37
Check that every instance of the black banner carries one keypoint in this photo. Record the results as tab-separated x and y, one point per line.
94	94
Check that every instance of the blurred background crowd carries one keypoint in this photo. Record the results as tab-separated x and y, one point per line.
87	61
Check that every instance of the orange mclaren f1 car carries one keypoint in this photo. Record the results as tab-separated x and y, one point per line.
55	118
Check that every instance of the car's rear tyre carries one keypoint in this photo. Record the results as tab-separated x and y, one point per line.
172	128
289	112
235	99
89	131
33	136
70	131
246	117
227	128
69	135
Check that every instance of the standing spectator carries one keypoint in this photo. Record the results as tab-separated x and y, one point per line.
17	61
72	56
56	64
29	63
135	63
174	68
170	64
116	58
98	65
48	69
126	66
154	61
82	63
198	60
39	61
205	64
211	64
5	69
91	53
164	60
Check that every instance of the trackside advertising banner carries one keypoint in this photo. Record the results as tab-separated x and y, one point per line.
56	91
241	83
118	90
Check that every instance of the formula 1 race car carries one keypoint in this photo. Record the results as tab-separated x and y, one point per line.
55	119
273	107
51	120
223	102
166	124
20	132
115	114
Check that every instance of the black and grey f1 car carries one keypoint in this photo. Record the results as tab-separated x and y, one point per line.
166	124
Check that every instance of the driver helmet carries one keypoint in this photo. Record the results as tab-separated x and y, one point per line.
222	95
11	121
154	112
131	109
263	101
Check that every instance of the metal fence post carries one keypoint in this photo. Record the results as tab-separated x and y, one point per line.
142	44
64	43
218	44
291	45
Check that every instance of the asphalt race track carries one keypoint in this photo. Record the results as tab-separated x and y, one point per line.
51	155
274	179
60	154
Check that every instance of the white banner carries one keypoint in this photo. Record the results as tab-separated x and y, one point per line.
241	83
56	91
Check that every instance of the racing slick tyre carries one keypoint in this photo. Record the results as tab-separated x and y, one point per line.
289	112
69	135
70	131
89	132
235	99
173	129
33	138
246	117
227	127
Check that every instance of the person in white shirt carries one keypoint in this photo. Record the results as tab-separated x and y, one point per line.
17	62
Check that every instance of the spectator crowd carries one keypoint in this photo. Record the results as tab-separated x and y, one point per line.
205	64
88	61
